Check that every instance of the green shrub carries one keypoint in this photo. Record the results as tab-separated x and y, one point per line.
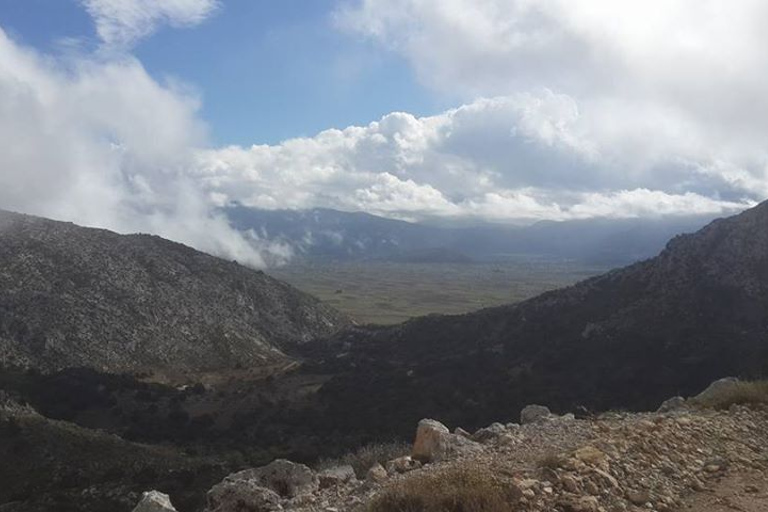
741	393
455	489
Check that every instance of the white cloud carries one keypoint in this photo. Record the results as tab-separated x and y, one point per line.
122	23
507	159
103	144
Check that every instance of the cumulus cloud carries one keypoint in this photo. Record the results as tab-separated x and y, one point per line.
122	23
512	158
102	143
573	107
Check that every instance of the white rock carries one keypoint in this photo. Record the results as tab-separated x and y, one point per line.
154	501
534	414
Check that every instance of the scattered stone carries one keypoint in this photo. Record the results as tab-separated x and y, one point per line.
675	403
489	433
534	413
590	455
461	432
376	474
569	484
284	477
435	443
638	497
717	388
402	465
336	476
154	501
236	495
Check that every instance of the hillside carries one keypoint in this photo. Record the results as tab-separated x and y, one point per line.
73	296
628	338
690	455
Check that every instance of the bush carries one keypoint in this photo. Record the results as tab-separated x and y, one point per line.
455	489
363	458
740	393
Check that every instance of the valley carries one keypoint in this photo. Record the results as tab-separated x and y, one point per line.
390	292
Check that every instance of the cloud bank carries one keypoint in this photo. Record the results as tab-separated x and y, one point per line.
101	143
571	109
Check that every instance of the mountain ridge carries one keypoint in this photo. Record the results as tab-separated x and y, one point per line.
73	296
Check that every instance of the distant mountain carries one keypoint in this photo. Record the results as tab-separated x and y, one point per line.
73	296
330	234
629	338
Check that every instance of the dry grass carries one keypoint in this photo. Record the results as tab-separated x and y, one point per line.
745	392
363	458
455	489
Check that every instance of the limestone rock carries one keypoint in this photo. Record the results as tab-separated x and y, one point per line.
376	474
402	465
719	386
675	403
336	476
435	443
236	495
489	433
534	413
284	477
154	501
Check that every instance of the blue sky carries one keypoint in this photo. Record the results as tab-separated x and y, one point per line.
266	70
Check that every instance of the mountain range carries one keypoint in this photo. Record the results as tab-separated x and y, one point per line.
626	339
330	234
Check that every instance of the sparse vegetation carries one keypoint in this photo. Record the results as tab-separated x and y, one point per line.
745	392
366	456
458	488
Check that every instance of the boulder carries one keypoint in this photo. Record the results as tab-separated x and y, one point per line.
435	443
489	433
676	403
154	501
402	465
534	413
336	476
376	474
716	388
236	495
284	477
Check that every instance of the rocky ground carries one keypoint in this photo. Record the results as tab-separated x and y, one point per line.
681	458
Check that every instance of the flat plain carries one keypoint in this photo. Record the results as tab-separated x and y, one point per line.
373	292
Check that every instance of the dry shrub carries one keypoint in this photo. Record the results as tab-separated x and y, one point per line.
363	458
458	488
741	393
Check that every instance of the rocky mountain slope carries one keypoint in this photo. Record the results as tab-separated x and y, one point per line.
685	453
73	296
628	338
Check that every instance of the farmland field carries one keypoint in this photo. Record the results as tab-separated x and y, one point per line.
387	292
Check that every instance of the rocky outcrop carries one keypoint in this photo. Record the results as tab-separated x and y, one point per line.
534	413
719	387
237	495
434	443
623	462
79	297
154	501
287	479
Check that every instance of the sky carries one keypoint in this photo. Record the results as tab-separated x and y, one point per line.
145	115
